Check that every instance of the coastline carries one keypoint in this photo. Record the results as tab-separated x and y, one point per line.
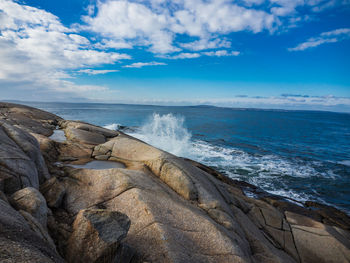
177	210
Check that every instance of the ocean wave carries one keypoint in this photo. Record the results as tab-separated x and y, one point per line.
112	126
166	132
272	173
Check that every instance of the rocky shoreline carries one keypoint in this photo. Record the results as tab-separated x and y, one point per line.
155	208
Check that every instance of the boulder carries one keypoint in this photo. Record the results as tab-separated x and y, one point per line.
89	127
317	242
19	243
29	119
164	226
30	146
85	133
53	192
31	200
47	147
74	151
37	227
321	245
85	137
17	170
96	235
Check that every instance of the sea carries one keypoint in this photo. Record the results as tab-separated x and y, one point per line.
303	155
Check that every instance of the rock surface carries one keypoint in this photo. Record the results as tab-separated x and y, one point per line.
53	192
31	200
179	210
96	235
19	243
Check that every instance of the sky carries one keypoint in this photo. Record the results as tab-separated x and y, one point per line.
289	54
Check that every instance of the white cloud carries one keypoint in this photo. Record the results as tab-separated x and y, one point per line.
325	37
203	44
216	53
156	24
159	25
337	32
120	44
123	20
144	64
97	71
37	50
221	53
183	55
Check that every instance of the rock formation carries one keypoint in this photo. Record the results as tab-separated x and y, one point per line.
159	208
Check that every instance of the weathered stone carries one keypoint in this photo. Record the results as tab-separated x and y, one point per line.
125	254
37	227
289	245
96	235
331	215
296	219
178	180
256	216
31	200
89	127
321	245
47	147
29	119
85	137
102	157
17	170
19	243
30	147
272	217
53	192
3	197
162	223
75	151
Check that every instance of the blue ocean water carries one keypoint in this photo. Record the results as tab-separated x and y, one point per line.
304	155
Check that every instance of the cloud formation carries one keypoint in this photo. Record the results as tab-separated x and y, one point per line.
162	21
39	53
144	64
97	71
204	22
326	37
36	49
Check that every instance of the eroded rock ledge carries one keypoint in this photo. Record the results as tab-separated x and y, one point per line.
159	208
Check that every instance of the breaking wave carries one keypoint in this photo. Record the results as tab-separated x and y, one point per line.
112	126
166	132
272	173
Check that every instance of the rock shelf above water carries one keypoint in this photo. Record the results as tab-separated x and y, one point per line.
157	208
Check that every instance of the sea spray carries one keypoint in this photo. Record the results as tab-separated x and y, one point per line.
112	126
271	172
166	132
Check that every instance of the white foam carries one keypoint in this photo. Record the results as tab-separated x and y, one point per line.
272	173
112	126
345	162
166	132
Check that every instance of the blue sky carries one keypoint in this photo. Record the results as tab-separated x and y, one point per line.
292	54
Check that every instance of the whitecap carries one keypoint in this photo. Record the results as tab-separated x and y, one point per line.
112	126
